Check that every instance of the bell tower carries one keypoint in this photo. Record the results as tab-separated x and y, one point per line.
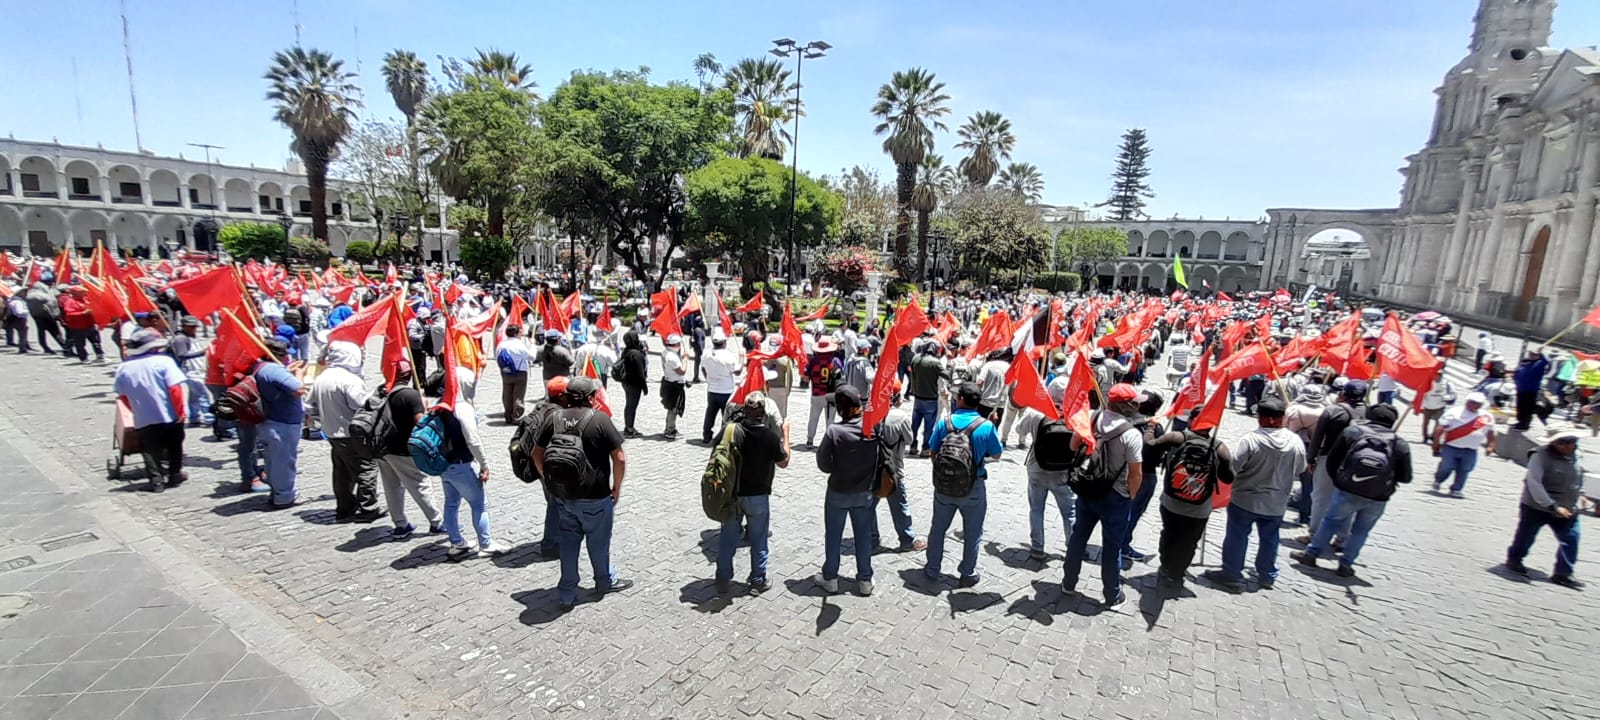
1511	28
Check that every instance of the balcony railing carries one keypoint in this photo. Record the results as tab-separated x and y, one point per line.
203	206
245	209
94	197
40	194
302	213
1234	257
122	200
167	203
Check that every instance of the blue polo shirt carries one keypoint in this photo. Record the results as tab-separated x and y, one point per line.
985	441
145	380
280	393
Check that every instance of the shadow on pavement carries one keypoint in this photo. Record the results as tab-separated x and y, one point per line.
523	555
917	581
1014	557
963	601
430	553
1042	606
539	606
703	595
1504	573
366	538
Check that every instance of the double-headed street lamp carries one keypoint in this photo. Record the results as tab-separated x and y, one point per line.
810	51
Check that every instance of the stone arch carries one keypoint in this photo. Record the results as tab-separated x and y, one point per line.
237	196
164	190
44	172
203	192
1154	275
1534	250
131	230
1135	243
336	205
168	229
86	226
270	196
127	185
1200	275
299	203
1183	244
83	176
1232	279
1105	275
13	237
1157	244
1237	246
1209	246
46	230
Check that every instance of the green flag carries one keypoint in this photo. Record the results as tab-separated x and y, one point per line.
1177	271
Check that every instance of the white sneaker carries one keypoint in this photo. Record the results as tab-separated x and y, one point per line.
828	586
864	588
493	549
457	552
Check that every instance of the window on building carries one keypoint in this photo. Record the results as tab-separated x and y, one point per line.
277	204
30	182
129	190
338	209
194	195
80	186
305	206
266	202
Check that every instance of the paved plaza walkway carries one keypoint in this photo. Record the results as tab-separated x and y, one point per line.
1431	628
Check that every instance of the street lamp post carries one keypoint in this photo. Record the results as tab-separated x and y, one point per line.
810	51
285	221
400	224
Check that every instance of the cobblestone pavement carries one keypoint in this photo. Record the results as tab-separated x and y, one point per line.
1430	629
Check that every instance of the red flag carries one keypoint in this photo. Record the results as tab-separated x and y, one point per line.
996	332
1251	360
364	323
1264	326
63	270
792	343
1403	357
1030	392
105	303
209	292
1075	405
237	347
7	268
571	305
1210	416
138	302
665	321
908	323
1224	297
692	305
1593	318
755	377
753	304
597	402
135	270
606	323
396	345
391	275
452	388
821	313
519	310
480	325
947	328
1193	391
722	315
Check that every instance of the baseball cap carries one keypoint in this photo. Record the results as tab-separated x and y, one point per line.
277	346
1122	392
970	394
847	397
582	387
1271	407
1355	389
555	386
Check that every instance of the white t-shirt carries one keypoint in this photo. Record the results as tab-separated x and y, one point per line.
1456	417
721	365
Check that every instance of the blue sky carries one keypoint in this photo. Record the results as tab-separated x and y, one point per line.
1249	103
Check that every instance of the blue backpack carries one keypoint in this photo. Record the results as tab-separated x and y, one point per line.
429	444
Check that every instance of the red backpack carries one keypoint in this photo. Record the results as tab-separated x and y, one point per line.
242	402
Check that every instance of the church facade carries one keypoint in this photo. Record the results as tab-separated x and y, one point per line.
1497	215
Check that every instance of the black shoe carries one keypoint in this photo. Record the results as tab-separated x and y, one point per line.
565	607
617	585
1223	582
369	516
178	479
403	533
759	586
1517	567
436	529
1345	571
1267	583
1304	558
724	586
1567	581
1117	601
967	582
156	486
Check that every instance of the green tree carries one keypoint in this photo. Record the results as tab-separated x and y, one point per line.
1023	180
616	153
868	207
504	68
316	99
706	68
1129	190
935	180
997	231
310	250
360	251
740	208
763	102
481	140
846	267
908	109
252	241
1089	245
406	77
987	138
487	257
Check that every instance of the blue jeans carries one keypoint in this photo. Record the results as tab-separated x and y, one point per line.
283	452
757	511
899	514
1040	488
1385	397
1112	512
925	415
461	482
1141	502
1529	521
585	521
858	508
1460	461
219	427
972	509
199	403
1237	540
245	452
551	540
1359	513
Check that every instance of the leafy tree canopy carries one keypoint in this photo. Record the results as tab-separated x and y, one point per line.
487	257
481	140
360	251
252	241
740	207
996	230
1090	245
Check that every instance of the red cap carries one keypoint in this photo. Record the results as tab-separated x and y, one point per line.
1122	392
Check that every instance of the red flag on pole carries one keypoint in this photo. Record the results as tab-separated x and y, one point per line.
1210	416
996	332
138	302
597	402
1593	318
237	348
63	270
753	304
1030	392
396	345
452	388
1251	360
692	305
366	322
793	343
1075	405
908	323
820	313
755	377
1403	357
7	268
722	315
1193	392
606	323
665	321
209	292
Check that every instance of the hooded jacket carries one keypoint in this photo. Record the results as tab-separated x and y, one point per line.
339	392
42	302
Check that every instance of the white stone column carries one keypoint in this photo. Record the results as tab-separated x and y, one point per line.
1451	264
1576	249
63	189
708	312
1501	178
874	284
16	183
105	188
144	192
183	194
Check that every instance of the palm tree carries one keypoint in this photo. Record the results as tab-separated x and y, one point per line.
987	135
909	107
934	181
1023	180
407	78
504	67
316	100
763	101
706	66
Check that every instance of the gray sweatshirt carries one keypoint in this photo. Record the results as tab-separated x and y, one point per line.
1266	464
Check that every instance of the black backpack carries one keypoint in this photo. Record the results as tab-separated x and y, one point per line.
522	440
1192	470
955	469
567	471
367	426
1052	449
1090	478
1368	467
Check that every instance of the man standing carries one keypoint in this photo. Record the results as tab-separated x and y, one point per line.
851	462
398	471
1456	440
825	372
1434	402
79	323
1529	379
336	396
1042	483
514	358
895	436
1366	463
1265	465
926	372
984	443
46	313
586	496
674	382
762	449
780	375
722	378
1304	414
1330	425
555	360
281	388
153	386
192	360
1194	468
1119	448
17	321
419	334
596	348
1550	497
991	383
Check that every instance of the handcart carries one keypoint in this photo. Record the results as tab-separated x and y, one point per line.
124	442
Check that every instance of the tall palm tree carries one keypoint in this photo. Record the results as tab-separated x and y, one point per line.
908	109
504	67
706	66
316	100
987	137
1023	180
763	102
407	78
934	181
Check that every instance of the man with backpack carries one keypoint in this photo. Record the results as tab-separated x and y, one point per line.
1330	425
1194	467
555	360
1049	458
961	446
761	449
445	442
1366	463
851	462
280	388
521	449
404	408
579	454
1104	488
1152	458
1265	465
895	439
336	396
514	358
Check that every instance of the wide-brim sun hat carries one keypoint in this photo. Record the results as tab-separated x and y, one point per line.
827	345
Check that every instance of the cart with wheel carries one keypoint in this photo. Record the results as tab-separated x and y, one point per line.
124	442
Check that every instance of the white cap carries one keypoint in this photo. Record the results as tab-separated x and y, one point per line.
718	336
